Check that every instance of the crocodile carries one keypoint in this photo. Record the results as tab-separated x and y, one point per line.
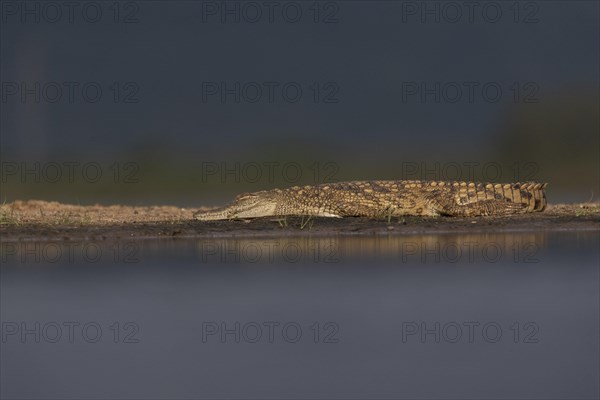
377	199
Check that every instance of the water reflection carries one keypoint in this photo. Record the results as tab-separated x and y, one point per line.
493	248
310	317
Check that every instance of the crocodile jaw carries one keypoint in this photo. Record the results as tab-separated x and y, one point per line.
248	206
266	209
214	215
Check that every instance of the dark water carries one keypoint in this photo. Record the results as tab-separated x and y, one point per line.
440	316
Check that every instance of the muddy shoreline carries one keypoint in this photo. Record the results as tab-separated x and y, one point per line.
39	221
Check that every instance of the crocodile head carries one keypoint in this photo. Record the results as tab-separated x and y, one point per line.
246	205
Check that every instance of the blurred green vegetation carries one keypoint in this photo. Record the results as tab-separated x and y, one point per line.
562	136
553	141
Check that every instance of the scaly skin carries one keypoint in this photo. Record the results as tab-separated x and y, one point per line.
378	199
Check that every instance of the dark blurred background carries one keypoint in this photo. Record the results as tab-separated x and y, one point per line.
202	100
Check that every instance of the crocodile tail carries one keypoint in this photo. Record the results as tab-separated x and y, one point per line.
531	195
